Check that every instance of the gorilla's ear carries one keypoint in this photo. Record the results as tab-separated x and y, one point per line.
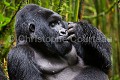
31	27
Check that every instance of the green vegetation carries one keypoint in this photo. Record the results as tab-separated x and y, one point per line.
104	14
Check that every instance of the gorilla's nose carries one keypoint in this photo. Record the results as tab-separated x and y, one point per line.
63	32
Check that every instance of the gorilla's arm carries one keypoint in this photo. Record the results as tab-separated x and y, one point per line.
91	45
21	64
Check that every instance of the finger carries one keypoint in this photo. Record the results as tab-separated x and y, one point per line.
71	25
71	30
71	36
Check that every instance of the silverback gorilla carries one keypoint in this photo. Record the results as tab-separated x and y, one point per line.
49	48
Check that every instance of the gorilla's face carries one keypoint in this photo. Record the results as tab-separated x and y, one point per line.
43	25
52	27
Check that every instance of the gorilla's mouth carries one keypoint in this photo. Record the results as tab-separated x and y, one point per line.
61	38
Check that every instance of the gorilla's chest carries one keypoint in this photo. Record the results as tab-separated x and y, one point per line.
58	68
50	65
69	73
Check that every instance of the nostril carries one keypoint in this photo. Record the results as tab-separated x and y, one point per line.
63	32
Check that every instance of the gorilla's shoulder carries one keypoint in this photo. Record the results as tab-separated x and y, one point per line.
21	51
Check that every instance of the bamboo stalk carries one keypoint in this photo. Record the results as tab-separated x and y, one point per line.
69	3
47	3
103	18
118	18
81	9
96	3
76	10
104	13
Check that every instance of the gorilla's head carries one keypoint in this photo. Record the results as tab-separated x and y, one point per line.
35	24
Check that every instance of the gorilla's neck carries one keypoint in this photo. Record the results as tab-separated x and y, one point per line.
41	47
54	48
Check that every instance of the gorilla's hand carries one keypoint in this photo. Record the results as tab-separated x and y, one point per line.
71	31
92	45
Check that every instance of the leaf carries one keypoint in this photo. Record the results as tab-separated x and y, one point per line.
4	21
7	20
1	18
6	3
1	26
13	8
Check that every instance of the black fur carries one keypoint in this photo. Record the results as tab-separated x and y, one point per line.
92	46
34	58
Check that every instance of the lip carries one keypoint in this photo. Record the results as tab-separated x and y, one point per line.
61	38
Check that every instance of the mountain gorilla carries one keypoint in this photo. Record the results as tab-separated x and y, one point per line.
51	49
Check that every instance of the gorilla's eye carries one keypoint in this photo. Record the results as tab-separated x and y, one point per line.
53	23
32	27
59	22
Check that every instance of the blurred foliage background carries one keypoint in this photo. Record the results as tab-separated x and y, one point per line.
104	14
